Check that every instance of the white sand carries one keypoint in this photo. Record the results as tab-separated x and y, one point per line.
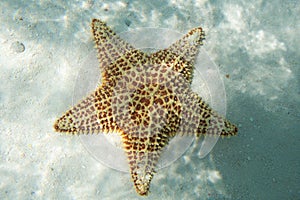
257	44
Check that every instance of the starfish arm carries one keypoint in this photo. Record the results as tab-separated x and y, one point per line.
195	117
91	115
182	53
211	123
110	46
143	154
122	66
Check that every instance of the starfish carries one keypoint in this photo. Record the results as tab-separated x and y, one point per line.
146	98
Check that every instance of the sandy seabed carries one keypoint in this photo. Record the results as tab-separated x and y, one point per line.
254	44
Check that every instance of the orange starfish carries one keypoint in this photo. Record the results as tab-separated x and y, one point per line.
146	98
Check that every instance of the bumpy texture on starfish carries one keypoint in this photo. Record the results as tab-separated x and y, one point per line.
146	98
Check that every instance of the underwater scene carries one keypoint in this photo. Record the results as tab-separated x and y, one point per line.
124	99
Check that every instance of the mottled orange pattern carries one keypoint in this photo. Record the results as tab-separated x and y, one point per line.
146	98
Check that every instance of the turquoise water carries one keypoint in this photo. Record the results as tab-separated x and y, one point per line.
254	44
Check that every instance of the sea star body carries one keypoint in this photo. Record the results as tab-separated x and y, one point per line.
146	98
